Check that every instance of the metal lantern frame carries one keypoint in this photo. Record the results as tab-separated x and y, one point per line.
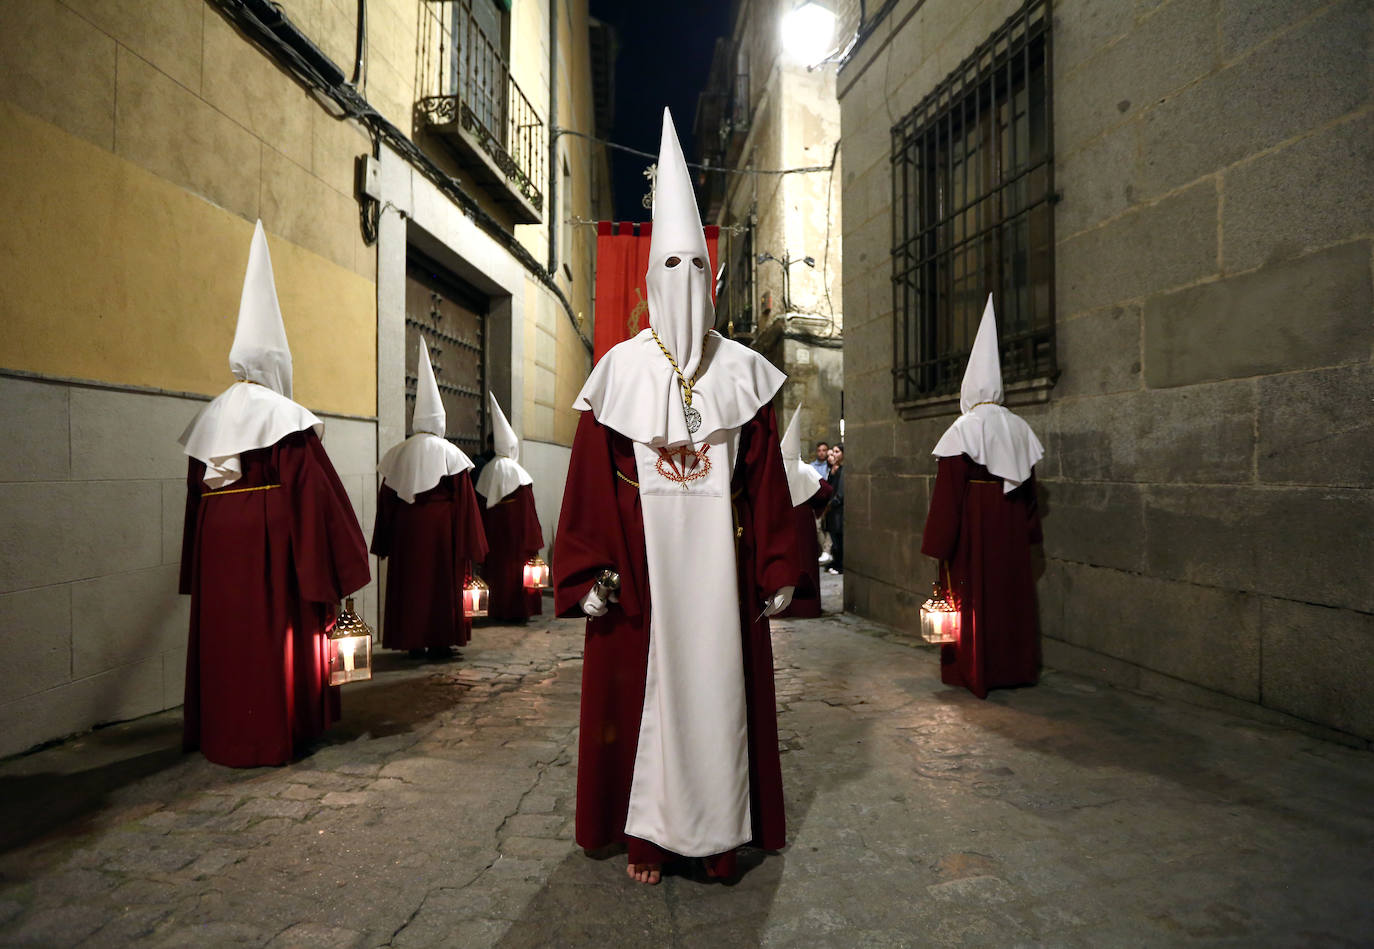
940	617
536	574
350	647
476	597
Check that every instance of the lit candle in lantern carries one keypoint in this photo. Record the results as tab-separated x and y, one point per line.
939	618
536	574
350	647
475	593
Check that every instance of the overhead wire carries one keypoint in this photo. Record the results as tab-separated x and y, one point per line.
717	169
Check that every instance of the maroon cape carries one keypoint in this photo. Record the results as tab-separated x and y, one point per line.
602	526
986	537
429	546
806	599
265	562
515	536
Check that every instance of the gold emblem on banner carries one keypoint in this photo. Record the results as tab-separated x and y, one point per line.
639	310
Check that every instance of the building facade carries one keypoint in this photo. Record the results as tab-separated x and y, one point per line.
1169	202
764	110
404	160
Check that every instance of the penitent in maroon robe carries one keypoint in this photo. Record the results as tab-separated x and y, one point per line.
986	537
430	546
601	527
806	600
265	562
514	535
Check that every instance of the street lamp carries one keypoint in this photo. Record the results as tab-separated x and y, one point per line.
808	32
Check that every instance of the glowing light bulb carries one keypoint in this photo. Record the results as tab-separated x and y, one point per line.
808	33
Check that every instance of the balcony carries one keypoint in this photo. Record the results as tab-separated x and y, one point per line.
469	103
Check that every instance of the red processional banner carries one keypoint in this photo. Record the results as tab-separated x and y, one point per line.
622	258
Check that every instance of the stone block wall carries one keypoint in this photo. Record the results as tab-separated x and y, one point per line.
1209	445
92	502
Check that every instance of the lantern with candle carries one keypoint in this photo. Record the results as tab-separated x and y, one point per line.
940	614
536	575
475	593
350	647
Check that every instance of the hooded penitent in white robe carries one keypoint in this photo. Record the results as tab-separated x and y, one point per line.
257	411
503	474
422	460
993	436
690	789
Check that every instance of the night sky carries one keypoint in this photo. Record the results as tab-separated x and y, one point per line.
665	56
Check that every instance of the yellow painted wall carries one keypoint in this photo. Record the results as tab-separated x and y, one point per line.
111	273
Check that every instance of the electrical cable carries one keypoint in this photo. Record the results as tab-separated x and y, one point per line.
718	169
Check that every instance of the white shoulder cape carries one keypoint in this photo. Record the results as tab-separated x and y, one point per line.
242	418
419	463
499	477
996	438
634	390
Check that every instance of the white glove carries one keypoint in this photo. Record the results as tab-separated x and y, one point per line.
592	604
778	601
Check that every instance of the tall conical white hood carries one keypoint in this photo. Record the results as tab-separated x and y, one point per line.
680	307
503	436
260	353
426	457
256	412
990	434
503	474
983	375
802	480
429	407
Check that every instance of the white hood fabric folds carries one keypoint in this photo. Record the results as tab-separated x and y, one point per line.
425	458
990	434
429	407
633	389
260	353
503	474
680	307
803	481
257	411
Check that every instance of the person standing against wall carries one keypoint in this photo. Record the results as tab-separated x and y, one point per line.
834	511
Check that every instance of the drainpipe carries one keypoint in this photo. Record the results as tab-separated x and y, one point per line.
553	207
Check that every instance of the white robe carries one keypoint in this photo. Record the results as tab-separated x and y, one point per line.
690	789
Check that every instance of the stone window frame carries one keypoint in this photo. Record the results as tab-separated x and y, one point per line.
956	236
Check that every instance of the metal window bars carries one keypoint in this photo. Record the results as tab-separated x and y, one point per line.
972	214
464	81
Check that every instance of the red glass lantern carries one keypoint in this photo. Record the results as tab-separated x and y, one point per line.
536	575
350	647
475	594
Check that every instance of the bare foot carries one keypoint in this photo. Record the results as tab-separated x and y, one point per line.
649	873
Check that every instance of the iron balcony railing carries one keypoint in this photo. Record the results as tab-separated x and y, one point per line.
466	87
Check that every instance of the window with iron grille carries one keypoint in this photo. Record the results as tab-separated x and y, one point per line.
972	214
735	305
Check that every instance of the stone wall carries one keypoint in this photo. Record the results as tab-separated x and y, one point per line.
92	502
1209	460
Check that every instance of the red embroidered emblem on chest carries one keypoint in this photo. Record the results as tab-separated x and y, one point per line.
683	465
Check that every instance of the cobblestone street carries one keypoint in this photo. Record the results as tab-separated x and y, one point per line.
439	813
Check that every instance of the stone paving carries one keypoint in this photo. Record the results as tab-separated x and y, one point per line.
439	813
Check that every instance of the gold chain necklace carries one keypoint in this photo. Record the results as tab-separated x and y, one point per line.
692	416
